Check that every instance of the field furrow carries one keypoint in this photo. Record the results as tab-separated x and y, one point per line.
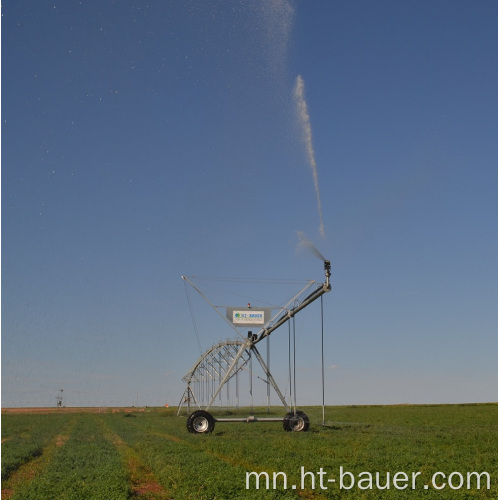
26	471
142	480
176	462
83	465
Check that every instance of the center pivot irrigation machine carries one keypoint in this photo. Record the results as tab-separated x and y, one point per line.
225	360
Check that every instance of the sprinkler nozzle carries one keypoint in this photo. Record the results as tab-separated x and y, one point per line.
328	272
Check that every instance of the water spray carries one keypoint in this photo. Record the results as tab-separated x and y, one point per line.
305	122
304	242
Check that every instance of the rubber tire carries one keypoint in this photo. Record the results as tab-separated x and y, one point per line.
298	422
200	422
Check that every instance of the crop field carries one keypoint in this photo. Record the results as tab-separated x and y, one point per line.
362	452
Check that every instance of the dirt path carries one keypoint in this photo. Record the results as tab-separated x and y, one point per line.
26	472
143	481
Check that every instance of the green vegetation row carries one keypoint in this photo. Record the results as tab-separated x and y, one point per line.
151	455
25	436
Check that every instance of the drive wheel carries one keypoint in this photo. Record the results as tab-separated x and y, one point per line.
296	422
200	422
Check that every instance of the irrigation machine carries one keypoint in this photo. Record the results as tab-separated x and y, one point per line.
224	361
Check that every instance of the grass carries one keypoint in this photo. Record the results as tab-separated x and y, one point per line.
24	438
150	454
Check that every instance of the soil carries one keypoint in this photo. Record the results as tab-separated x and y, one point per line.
83	409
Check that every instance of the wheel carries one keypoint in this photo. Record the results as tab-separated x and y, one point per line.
298	422
200	422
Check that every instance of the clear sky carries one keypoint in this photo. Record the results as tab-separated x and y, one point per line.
145	140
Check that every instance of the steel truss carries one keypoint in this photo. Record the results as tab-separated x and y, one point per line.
225	360
218	365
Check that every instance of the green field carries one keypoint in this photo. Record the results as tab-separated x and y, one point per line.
150	454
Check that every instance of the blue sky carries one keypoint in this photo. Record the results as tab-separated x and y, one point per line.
146	140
